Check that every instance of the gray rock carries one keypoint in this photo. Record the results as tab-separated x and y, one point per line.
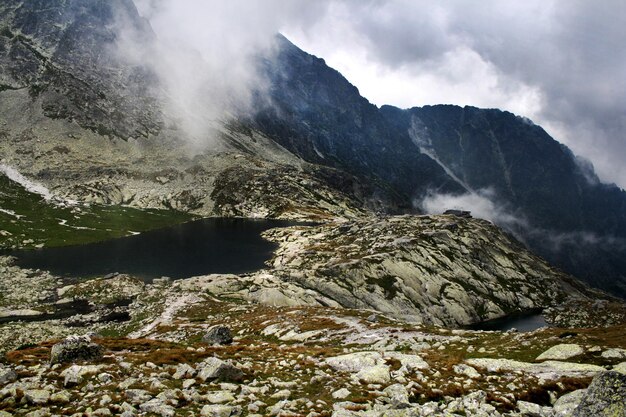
75	348
218	335
355	362
220	397
75	373
566	404
137	396
378	374
620	367
615	353
7	375
340	394
214	368
396	394
185	371
42	412
605	397
156	406
527	409
37	396
216	411
561	352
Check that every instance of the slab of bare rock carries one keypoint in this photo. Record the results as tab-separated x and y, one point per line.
547	370
214	368
340	394
355	362
220	397
615	353
378	374
528	409
566	404
410	362
7	375
37	396
561	352
217	410
75	373
75	348
218	335
466	370
396	394
620	367
137	396
156	406
184	371
605	397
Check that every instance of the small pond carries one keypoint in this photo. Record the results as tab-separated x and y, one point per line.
522	321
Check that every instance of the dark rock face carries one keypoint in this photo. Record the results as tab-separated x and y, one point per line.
218	335
459	213
65	53
565	213
75	348
605	397
318	115
577	224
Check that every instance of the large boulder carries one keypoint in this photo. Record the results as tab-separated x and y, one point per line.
565	405
218	335
75	348
7	375
561	352
214	368
605	397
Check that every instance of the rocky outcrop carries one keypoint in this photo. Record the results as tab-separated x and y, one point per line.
432	269
75	348
218	335
217	369
605	397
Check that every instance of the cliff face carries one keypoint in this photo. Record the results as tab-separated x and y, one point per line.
552	200
64	54
561	209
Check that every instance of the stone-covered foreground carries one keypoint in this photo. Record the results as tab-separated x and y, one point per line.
304	361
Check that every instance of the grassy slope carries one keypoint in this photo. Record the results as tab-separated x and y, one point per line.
37	221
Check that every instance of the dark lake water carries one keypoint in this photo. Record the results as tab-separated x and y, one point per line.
195	248
524	322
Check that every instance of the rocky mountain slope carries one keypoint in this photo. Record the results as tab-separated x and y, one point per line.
290	360
92	127
543	193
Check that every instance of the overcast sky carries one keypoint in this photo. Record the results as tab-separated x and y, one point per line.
561	63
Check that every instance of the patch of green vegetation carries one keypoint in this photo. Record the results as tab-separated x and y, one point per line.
28	221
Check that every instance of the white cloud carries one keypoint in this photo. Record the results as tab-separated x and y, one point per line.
481	204
558	62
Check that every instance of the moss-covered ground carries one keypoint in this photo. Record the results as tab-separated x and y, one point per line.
27	220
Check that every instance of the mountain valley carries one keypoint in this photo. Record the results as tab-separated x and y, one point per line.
364	309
